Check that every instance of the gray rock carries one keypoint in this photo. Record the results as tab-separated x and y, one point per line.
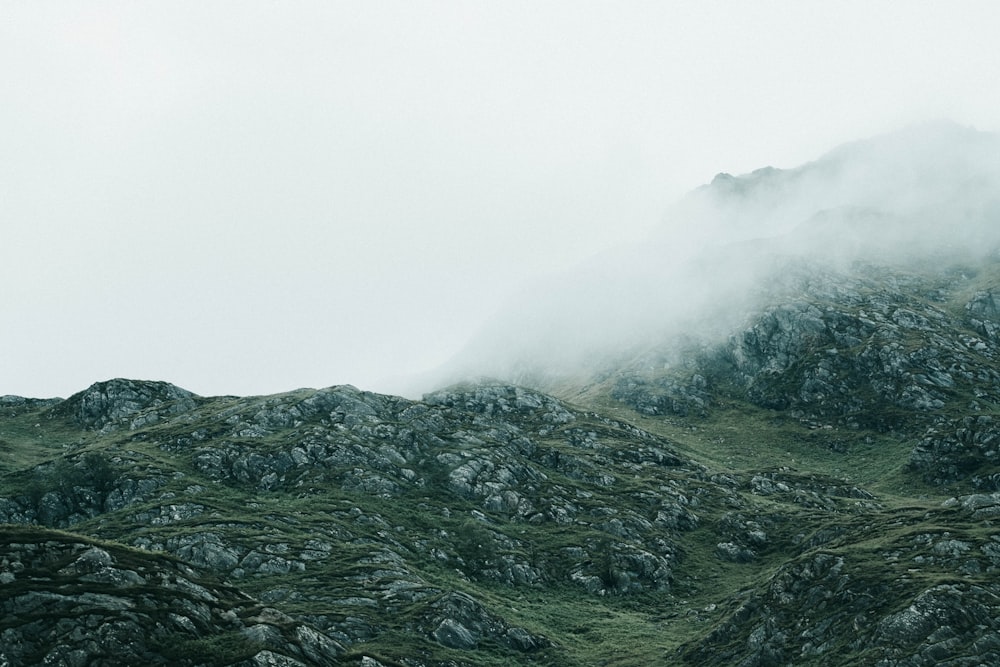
115	402
272	659
734	553
453	634
205	549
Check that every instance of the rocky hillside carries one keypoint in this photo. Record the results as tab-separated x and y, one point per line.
792	461
901	352
374	519
71	600
485	524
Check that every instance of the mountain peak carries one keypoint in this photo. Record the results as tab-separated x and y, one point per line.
111	402
925	194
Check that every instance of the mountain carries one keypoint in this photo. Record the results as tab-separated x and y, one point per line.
781	449
927	194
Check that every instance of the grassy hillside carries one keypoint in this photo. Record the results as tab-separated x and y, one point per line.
490	524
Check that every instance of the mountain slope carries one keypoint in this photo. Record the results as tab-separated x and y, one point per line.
494	525
368	516
72	600
781	449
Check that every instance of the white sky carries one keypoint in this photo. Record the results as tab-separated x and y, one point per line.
249	197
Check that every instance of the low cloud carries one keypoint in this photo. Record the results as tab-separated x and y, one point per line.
896	198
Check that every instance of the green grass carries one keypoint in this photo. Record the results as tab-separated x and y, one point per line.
736	438
216	650
29	437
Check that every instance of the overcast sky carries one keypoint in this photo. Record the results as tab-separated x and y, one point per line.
250	197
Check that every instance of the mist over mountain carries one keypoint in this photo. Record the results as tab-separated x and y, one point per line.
729	247
770	435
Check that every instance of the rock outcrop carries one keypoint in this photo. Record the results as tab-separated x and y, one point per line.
71	601
119	402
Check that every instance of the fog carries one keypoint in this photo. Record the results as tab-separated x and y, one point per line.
250	199
929	193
